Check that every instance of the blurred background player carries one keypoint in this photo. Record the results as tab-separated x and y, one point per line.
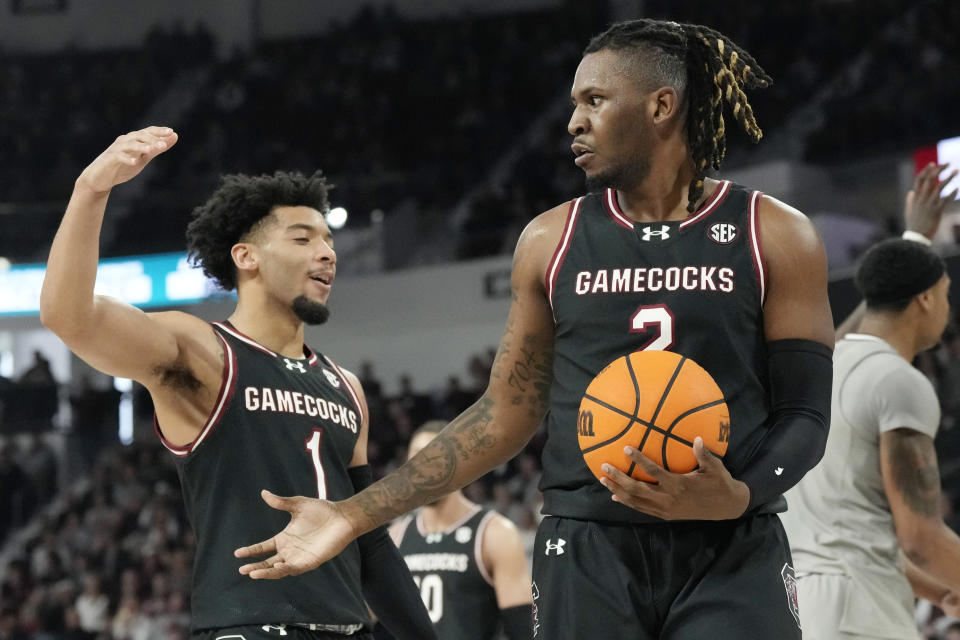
468	561
865	525
242	404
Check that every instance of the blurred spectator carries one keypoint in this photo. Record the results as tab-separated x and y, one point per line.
39	373
14	493
92	607
40	465
455	399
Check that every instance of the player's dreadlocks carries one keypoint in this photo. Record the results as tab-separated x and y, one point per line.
706	68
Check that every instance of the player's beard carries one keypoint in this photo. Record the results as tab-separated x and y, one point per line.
624	176
310	311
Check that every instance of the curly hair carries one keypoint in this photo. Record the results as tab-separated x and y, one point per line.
706	68
241	205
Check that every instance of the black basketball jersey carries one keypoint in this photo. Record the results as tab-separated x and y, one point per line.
694	287
290	426
448	568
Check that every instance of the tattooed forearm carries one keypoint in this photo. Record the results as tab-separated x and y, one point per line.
913	461
432	473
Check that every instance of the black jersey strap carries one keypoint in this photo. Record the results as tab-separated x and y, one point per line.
387	584
801	380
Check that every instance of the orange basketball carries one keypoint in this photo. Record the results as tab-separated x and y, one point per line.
657	402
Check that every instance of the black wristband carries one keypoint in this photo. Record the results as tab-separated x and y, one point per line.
518	622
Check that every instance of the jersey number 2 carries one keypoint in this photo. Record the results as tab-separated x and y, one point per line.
643	320
313	446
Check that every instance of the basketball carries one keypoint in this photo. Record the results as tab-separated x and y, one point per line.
657	402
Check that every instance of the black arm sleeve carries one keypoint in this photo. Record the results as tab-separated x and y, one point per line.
517	622
801	380
387	584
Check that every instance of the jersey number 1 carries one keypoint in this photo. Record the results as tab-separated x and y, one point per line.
313	446
643	320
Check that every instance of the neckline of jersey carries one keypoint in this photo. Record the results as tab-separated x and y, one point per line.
612	206
308	354
453	527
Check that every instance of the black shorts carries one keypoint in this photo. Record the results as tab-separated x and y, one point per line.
666	581
274	632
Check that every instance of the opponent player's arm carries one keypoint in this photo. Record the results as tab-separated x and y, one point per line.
112	336
386	581
911	480
799	332
505	560
924	585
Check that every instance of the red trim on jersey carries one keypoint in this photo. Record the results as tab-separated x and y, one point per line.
553	267
244	338
478	547
353	394
756	248
718	196
613	208
312	358
612	205
227	385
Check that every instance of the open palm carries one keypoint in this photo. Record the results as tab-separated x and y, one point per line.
317	532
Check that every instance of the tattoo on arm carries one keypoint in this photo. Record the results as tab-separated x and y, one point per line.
433	472
913	461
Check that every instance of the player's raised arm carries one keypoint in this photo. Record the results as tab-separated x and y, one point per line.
112	336
488	433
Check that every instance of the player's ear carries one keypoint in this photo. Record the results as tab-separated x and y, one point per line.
926	300
244	256
666	105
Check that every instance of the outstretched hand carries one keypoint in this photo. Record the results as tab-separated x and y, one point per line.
317	532
925	203
126	158
706	493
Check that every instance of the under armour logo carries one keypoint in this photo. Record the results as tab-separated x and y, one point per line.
778	470
556	547
282	628
295	365
433	538
662	234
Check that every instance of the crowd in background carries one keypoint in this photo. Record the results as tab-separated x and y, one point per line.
415	115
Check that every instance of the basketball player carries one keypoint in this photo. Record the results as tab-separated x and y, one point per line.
865	525
658	256
241	404
468	561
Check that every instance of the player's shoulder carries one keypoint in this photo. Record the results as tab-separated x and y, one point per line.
499	526
779	218
548	225
541	236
